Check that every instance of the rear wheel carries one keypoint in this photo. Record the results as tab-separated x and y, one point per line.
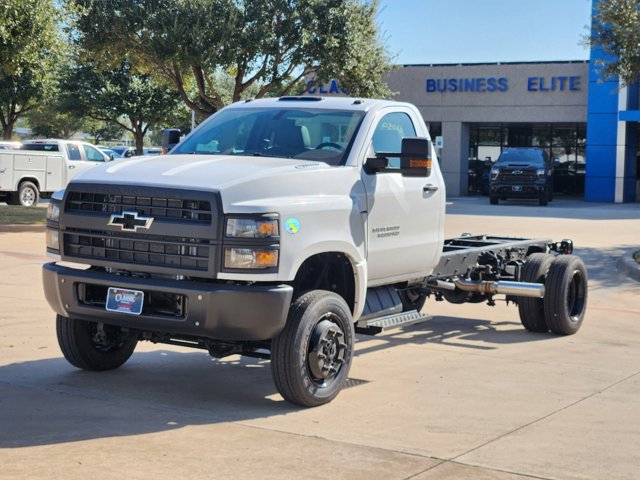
27	195
93	346
311	357
565	300
531	310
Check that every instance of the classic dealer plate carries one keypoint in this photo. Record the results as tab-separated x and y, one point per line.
122	300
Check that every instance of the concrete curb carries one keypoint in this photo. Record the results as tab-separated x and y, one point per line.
22	228
627	264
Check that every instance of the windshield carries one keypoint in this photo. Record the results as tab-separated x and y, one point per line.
309	134
528	157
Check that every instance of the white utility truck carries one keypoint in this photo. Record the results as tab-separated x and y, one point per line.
41	167
278	229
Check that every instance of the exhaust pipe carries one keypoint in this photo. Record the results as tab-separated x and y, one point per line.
515	289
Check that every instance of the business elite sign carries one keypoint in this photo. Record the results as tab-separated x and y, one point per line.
501	84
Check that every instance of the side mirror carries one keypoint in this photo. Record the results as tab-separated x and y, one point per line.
111	157
415	159
170	138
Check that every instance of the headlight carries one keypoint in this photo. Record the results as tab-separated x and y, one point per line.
250	258
494	173
263	227
53	212
53	239
540	172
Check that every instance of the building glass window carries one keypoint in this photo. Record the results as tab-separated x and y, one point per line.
565	145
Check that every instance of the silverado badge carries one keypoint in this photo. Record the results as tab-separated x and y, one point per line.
130	221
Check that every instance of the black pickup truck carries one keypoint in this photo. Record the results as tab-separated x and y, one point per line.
522	173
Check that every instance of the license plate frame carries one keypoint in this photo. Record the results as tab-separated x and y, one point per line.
124	300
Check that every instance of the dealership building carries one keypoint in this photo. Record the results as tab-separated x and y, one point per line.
587	125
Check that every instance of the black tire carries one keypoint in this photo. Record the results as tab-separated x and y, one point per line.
493	199
82	346
27	195
319	323
531	310
412	299
565	301
542	198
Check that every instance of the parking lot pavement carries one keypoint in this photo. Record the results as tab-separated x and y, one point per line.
466	395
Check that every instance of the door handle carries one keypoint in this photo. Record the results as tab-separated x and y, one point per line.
430	188
71	167
3	170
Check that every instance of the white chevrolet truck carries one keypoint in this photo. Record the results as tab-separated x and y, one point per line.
278	229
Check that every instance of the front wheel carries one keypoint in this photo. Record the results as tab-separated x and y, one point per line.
94	346
543	198
311	357
493	199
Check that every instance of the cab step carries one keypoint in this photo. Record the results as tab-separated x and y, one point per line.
374	326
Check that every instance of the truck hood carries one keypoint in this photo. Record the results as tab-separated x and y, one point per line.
245	183
198	172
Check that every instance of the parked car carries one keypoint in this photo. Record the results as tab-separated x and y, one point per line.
42	167
522	173
109	152
123	151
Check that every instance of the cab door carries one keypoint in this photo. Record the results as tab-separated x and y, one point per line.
403	213
82	157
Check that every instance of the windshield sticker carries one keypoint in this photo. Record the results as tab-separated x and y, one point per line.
292	225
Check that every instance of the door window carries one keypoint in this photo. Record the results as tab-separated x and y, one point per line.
93	155
74	152
388	135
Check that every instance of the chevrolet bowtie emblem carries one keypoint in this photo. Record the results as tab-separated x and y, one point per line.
130	221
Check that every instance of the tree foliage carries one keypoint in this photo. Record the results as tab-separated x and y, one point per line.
120	96
52	120
617	30
268	47
102	131
30	46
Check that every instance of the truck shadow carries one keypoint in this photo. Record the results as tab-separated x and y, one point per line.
49	402
455	332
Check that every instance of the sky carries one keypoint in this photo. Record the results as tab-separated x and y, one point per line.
479	31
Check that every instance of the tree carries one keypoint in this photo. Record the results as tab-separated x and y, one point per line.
133	101
617	30
30	45
102	131
272	44
52	121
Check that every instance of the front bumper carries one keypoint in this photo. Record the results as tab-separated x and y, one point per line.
208	310
521	189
